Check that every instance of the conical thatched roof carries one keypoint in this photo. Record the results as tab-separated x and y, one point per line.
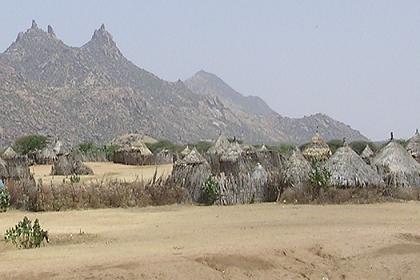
367	153
194	157
185	151
349	170
3	169
138	146
220	146
413	146
58	148
263	148
317	149
9	153
232	152
296	169
397	167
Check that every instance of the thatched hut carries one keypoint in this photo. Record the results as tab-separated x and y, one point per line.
191	173
367	154
185	152
296	170
9	153
135	154
164	156
231	160
67	165
413	146
244	187
317	149
397	167
45	156
224	156
18	168
349	170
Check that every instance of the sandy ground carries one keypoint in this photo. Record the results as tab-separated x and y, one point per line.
105	171
262	241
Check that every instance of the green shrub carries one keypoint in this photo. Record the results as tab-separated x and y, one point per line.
202	146
109	151
25	235
359	146
163	144
29	143
319	177
210	191
282	148
4	199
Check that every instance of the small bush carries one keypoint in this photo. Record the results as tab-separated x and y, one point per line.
25	235
210	191
163	144
4	199
319	177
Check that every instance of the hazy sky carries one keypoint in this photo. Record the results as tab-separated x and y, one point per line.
357	61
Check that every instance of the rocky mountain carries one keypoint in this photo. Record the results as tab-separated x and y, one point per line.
93	93
205	83
296	130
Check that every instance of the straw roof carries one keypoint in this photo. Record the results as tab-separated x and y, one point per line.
413	146
367	153
317	149
128	139
185	151
396	166
232	152
9	153
349	170
194	157
58	148
220	146
263	148
296	169
137	146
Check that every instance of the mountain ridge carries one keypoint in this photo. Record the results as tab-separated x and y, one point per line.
94	93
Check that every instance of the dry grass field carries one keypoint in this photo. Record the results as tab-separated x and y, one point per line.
260	241
105	171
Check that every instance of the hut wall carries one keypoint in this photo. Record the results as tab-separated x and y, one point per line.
398	179
18	168
191	177
133	158
242	188
164	158
67	165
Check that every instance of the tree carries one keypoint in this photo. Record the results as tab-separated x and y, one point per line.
30	143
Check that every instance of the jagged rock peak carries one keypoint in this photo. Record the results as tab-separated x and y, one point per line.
101	33
34	25
50	30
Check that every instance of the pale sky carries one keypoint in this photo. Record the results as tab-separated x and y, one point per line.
357	61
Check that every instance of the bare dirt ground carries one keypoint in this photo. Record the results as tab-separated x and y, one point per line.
105	171
262	241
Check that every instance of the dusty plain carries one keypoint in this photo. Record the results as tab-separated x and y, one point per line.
260	241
